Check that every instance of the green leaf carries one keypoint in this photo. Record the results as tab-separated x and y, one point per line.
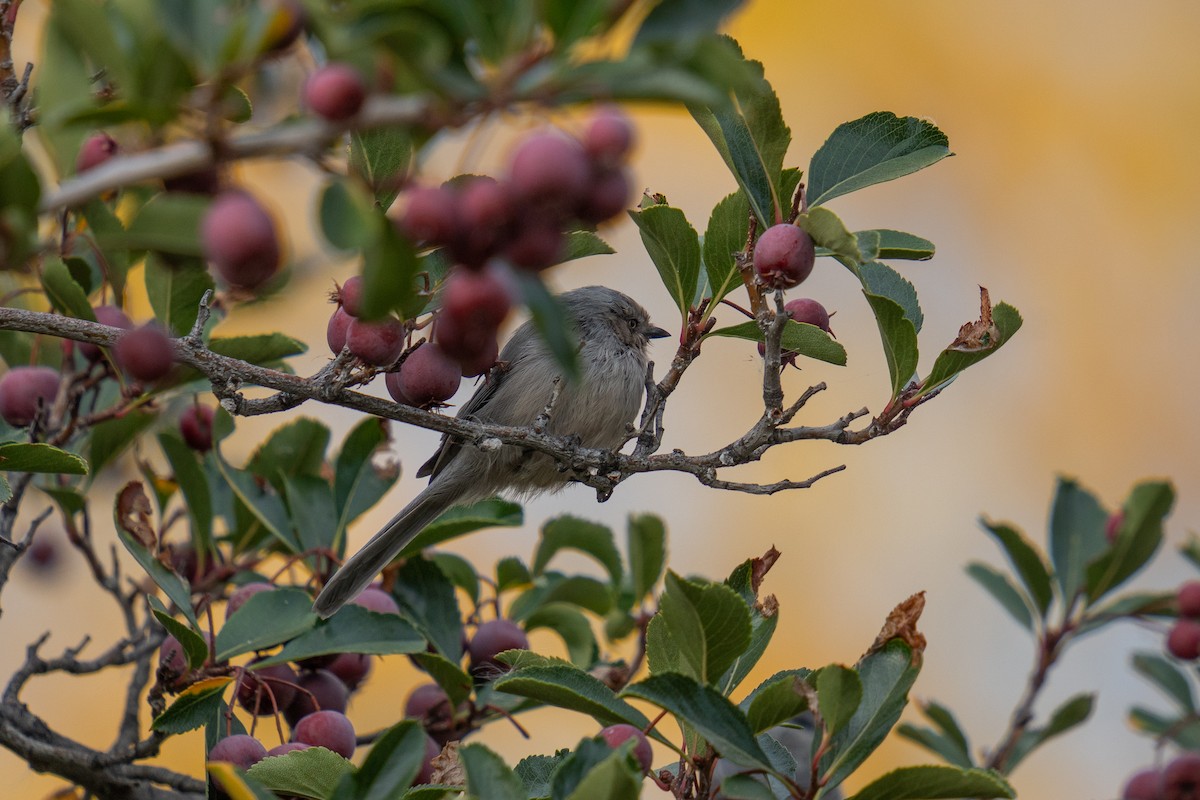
193	483
390	767
950	362
707	711
725	236
572	626
1184	731
661	653
40	457
358	483
347	216
571	533
582	244
762	627
427	599
828	231
710	624
935	742
673	22
839	692
1026	562
390	268
935	783
798	337
647	541
460	572
615	778
64	87
381	157
899	340
880	279
194	646
674	248
1140	536
261	349
876	148
886	676
110	438
461	520
64	292
578	590
1071	713
904	246
488	777
776	700
265	507
265	620
175	292
311	509
1076	536
571	688
314	772
552	322
1171	680
1001	587
297	448
447	674
537	771
944	719
168	223
734	140
193	708
511	572
353	629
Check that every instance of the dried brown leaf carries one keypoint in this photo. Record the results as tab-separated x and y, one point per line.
134	515
901	623
981	334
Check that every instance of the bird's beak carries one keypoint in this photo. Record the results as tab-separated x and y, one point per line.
657	333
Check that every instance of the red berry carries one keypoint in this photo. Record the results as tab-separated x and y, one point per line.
392	382
537	243
335	332
287	747
608	137
335	91
809	311
240	749
1112	528
95	150
1181	778
483	361
784	256
550	168
431	214
607	196
484	215
43	554
1145	785
490	639
195	423
1183	641
253	693
22	389
145	353
350	295
483	297
469	340
616	735
239	239
428	701
375	599
172	661
1189	599
429	376
329	729
105	315
351	668
328	693
244	593
377	343
432	750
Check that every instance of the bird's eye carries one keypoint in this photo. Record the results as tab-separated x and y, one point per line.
633	324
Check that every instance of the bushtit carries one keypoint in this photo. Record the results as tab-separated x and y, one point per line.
614	332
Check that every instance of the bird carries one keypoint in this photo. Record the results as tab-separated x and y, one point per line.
595	410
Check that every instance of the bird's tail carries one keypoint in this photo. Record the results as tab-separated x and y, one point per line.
357	573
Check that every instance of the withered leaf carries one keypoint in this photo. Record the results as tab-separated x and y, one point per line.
759	567
133	515
447	770
981	334
901	623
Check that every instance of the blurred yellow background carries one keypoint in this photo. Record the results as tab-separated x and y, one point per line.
1072	194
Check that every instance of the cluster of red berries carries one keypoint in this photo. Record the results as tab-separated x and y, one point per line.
1178	780
1183	641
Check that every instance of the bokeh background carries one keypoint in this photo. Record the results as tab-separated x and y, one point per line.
1072	195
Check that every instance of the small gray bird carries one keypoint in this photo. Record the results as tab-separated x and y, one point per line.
614	333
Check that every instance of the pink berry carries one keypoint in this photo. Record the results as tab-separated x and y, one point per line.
336	330
430	217
95	150
351	668
375	599
1183	641
607	196
377	343
482	361
253	694
335	91
484	297
319	690
490	639
239	239
616	735
105	315
22	389
427	701
1189	599
609	136
549	167
432	749
145	353
287	747
1181	778
195	424
240	749
350	295
483	218
536	244
809	311
428	376
1145	785
784	256
329	729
